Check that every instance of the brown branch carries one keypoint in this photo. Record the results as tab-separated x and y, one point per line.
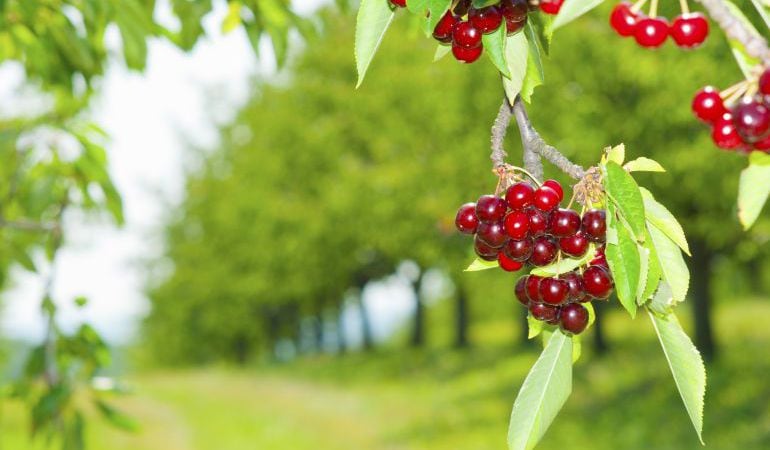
756	46
499	130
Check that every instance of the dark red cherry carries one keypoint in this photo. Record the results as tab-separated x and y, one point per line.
689	30
492	233
466	55
708	105
399	3
507	264
546	199
490	208
564	222
444	27
574	246
725	134
763	144
597	282
553	291
752	120
515	14
538	222
519	250
623	19
519	195
595	225
462	7
543	252
600	259
465	35
575	284
764	82
551	6
651	32
546	313
533	288
484	250
521	291
573	318
486	19
466	220
556	186
516	224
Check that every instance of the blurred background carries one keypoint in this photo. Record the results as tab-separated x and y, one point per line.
270	254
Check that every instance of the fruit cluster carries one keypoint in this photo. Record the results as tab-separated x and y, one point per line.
688	30
739	116
527	226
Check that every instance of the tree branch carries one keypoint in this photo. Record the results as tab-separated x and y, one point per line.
28	225
734	28
499	130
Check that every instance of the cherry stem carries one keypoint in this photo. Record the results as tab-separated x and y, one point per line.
654	9
684	6
526	172
741	86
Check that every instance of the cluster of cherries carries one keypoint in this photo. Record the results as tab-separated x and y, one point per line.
688	30
463	25
527	226
741	125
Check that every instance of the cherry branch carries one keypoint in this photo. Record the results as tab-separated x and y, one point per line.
755	45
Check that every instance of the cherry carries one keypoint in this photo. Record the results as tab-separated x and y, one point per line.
533	288
492	233
763	144
689	30
507	264
466	220
725	134
466	55
516	224
543	252
575	284
519	250
573	318
490	208
546	313
515	14
519	195
651	32
486	19
556	186
597	282
553	291
484	250
574	246
444	27
764	82
624	20
462	7
551	6
594	224
600	259
546	199
521	291
564	222
465	35
399	3
538	222
752	120
707	105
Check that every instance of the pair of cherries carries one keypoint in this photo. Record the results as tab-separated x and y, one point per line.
689	30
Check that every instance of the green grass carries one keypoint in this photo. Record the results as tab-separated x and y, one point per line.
446	400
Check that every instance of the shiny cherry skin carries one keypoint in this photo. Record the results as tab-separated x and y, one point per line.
399	3
600	259
521	291
575	285
597	282
752	120
533	288
546	199
515	14
553	291
490	208
484	250
466	55
708	105
689	30
764	82
519	196
507	264
546	313
556	186
573	318
465	35
725	134
651	32
594	225
486	19
516	224
492	233
564	222
538	222
623	19
444	27
574	246
543	252
466	220
519	249
763	144
551	6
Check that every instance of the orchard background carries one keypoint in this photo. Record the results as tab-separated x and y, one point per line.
305	288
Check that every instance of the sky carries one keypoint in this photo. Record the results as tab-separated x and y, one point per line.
154	119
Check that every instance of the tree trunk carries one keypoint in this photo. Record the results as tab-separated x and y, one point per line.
600	343
366	325
462	317
418	332
342	342
701	294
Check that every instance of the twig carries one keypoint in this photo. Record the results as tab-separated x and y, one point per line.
755	45
499	130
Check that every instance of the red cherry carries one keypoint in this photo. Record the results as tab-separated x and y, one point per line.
564	222
624	20
763	144
553	291
515	14
573	318
556	186
764	82
519	250
467	55
546	199
486	19
507	264
533	288
543	252
752	120
600	259
597	282
595	224
492	233
521	291
444	27
519	195
546	313
466	220
551	6
465	35
707	105
484	250
399	3
490	208
538	222
462	7
651	32
517	224
689	30
574	246
575	284
725	134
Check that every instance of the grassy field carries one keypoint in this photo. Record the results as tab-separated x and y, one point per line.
445	400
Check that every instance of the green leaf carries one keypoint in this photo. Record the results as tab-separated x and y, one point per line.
374	18
754	188
116	417
483	3
617	154
516	56
658	215
624	262
541	24
494	47
441	51
662	302
564	265
762	10
479	264
571	10
437	9
643	164
535	75
654	272
644	267
686	365
542	395
417	6
591	314
21	256
672	264
534	326
233	18
624	191
577	348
